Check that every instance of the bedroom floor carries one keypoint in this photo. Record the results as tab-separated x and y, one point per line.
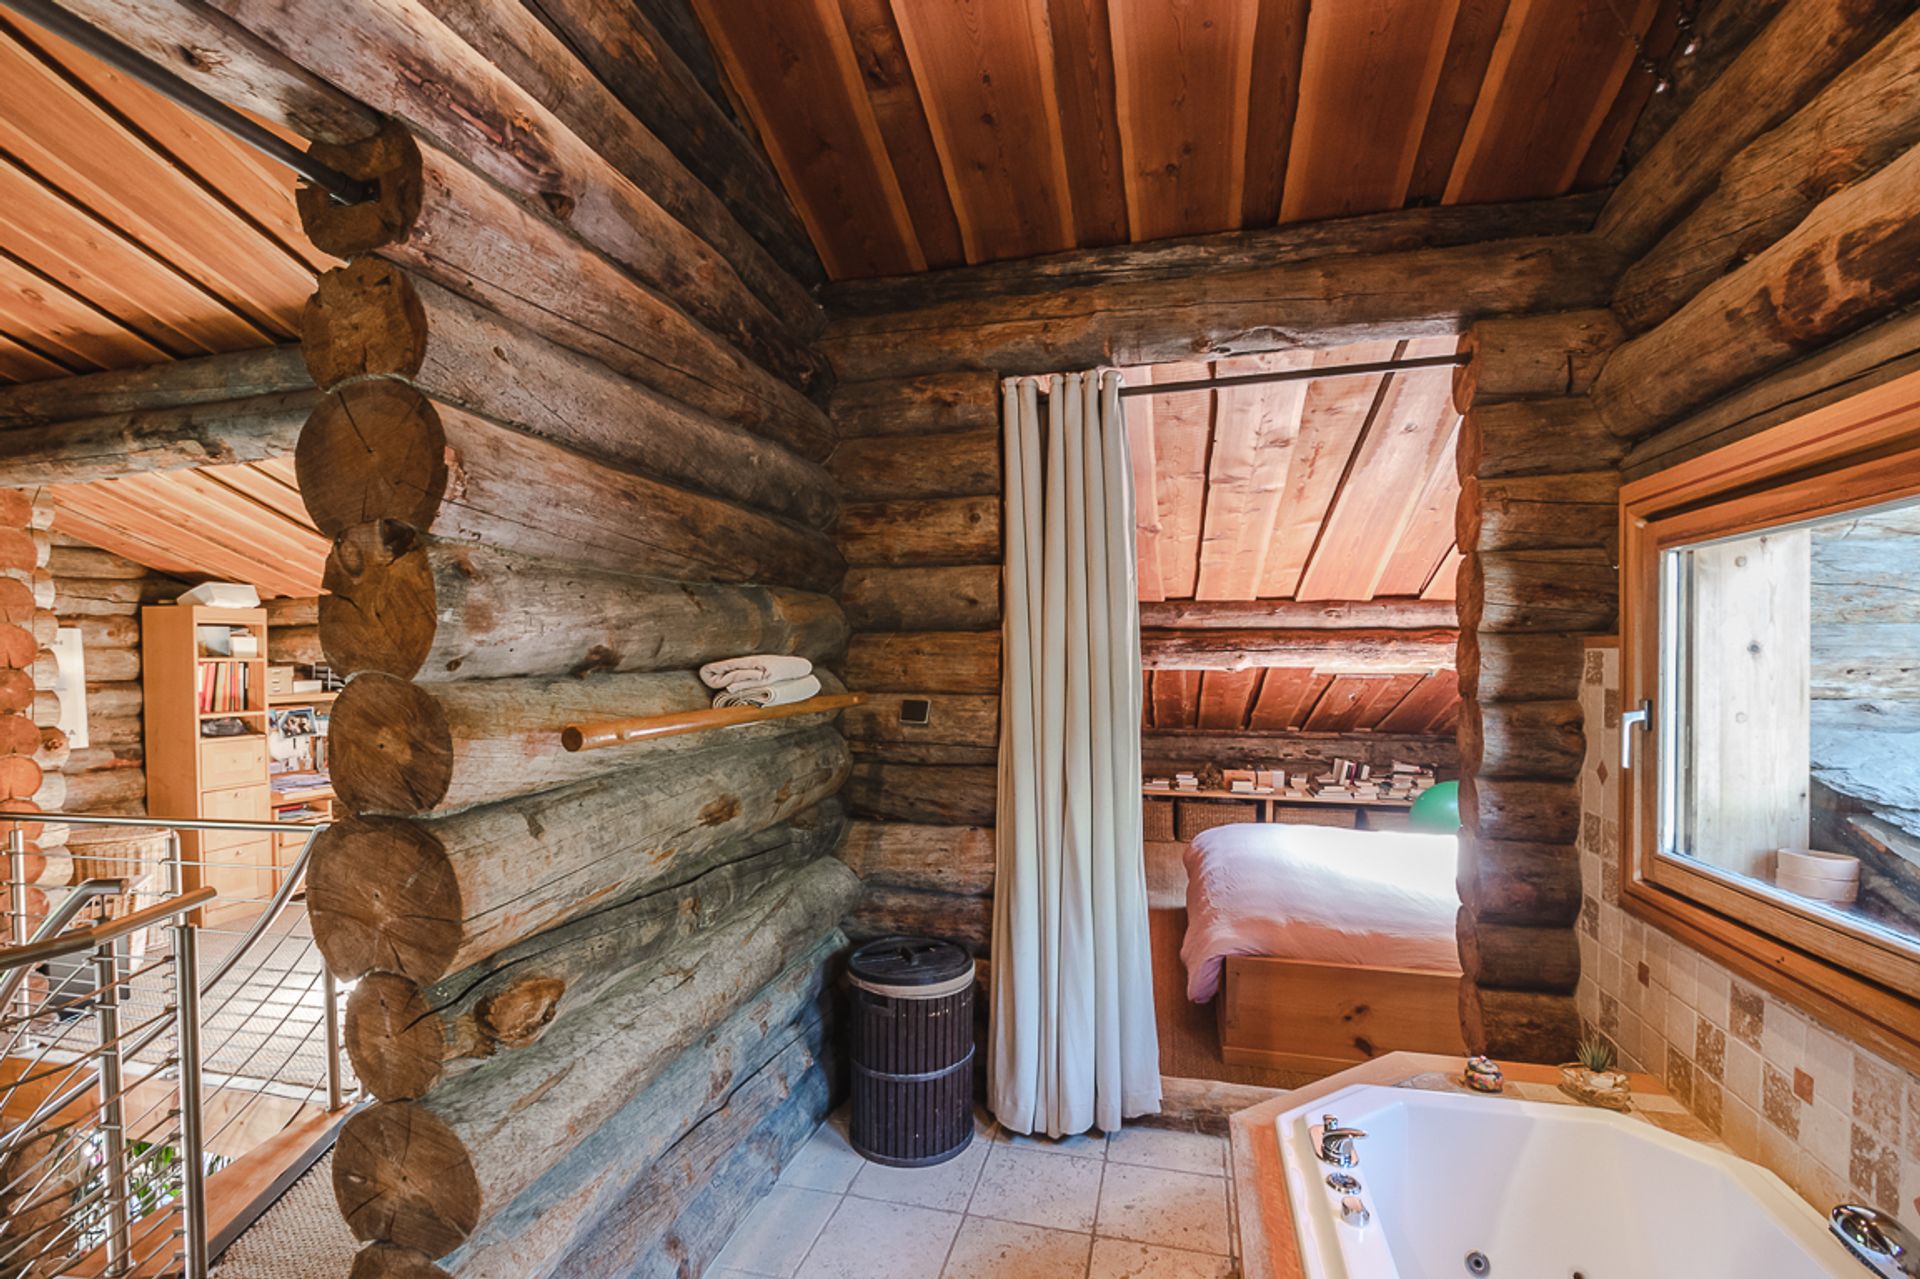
1146	1203
1189	1039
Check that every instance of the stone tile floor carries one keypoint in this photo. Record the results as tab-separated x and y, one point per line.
1146	1203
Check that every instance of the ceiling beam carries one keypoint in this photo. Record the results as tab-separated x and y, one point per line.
1353	651
1381	614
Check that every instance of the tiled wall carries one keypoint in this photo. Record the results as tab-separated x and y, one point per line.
1836	1122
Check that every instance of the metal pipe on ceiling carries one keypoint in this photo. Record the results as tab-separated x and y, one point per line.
45	13
1298	375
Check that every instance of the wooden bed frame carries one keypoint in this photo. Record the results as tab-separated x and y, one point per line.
1287	1014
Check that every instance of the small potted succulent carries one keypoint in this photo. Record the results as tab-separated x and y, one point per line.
1591	1078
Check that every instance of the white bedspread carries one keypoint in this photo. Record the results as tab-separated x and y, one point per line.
1378	898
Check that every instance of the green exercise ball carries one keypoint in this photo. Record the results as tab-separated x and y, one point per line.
1437	809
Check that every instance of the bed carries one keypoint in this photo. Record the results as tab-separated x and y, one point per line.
1323	947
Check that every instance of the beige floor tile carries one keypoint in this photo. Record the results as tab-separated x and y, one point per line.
1038	1189
989	1249
826	1162
1121	1259
774	1238
1165	1148
869	1239
946	1186
1158	1206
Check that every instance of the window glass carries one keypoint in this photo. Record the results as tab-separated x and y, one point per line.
1790	661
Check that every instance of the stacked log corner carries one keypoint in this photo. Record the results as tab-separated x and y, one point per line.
31	744
1538	493
592	989
918	465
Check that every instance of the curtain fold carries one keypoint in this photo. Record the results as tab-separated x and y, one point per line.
1072	1042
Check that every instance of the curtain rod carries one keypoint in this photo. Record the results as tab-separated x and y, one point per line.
343	189
1298	375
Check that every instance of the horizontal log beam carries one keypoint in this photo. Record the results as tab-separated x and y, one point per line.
1371	649
427	898
422	608
424	1174
1389	614
415	749
1534	437
1508	882
1519	1025
915	532
932	404
183	437
1538	512
1522	810
949	795
1571	592
381	450
959	597
439	218
1517	956
371	319
243	375
916	662
1329	301
1190	746
959	728
958	860
1503	667
892	912
1527	740
962	464
405	1039
1533	356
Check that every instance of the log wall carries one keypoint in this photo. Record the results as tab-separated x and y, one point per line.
919	464
31	749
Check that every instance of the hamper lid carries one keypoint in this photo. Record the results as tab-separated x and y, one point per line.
909	961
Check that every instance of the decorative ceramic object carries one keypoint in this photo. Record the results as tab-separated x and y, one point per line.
1483	1075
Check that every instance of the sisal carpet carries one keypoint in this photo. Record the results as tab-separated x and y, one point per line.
301	1237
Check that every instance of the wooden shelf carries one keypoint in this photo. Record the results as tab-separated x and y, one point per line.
642	728
303	699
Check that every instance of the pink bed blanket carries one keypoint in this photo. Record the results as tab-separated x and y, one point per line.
1382	899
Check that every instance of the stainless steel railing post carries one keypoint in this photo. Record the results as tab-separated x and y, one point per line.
193	1177
17	903
113	1124
330	998
176	872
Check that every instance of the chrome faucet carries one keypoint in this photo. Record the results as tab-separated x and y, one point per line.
1335	1143
1882	1244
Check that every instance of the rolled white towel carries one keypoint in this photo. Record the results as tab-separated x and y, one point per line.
778	693
756	668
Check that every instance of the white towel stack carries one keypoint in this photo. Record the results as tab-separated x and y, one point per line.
760	679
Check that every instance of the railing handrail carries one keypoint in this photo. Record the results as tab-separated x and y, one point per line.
63	914
84	939
157	823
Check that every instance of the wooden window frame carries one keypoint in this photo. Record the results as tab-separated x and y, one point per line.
1862	451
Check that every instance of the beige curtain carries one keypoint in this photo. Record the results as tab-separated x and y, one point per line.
1073	1044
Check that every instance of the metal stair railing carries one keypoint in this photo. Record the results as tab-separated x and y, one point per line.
122	1072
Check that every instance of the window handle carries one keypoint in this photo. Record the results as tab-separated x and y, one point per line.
1640	718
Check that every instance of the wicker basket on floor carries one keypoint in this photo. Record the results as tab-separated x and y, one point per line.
1196	815
1156	825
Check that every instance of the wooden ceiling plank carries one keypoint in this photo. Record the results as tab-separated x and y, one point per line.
1146	493
1377	500
73	518
1273	103
1599	166
1226	697
127	529
78	146
21	363
1428	701
95	260
252	481
1083	82
1331	419
901	117
1367	81
1280	694
1340	704
794	68
1476	29
66	327
1254	432
1182	76
1429	535
1443	584
257	188
985	73
219	538
1176	698
269	528
1388	692
1556	71
1182	434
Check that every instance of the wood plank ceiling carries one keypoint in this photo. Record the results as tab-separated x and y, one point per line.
917	134
132	233
1326	490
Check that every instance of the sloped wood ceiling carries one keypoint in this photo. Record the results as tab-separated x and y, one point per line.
132	233
917	134
1326	490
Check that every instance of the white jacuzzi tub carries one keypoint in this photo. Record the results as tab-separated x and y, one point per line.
1539	1191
